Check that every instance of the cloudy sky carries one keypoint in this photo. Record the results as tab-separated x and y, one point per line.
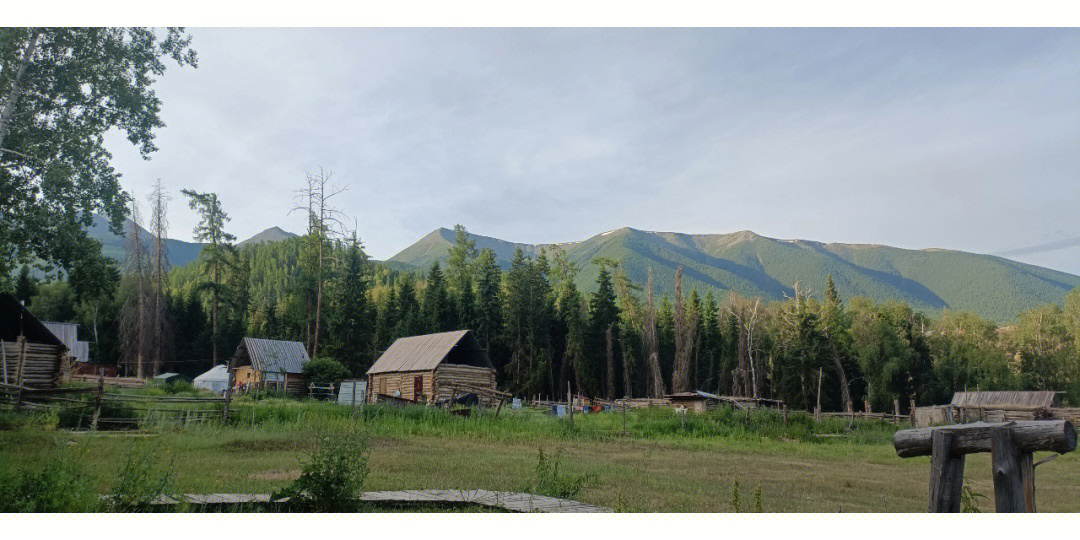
963	139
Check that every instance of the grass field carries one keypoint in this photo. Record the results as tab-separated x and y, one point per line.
658	464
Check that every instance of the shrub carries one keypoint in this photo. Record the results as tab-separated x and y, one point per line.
141	478
325	371
332	477
551	482
56	485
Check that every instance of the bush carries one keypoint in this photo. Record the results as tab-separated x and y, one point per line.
141	478
325	371
551	482
57	485
332	477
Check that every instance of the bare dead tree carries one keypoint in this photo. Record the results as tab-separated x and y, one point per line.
652	346
160	330
324	223
134	319
685	329
750	322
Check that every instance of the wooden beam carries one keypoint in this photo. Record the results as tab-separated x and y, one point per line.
1028	436
946	473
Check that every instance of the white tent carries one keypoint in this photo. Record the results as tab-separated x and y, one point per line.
215	380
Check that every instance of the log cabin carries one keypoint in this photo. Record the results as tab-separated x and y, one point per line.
30	355
270	363
431	367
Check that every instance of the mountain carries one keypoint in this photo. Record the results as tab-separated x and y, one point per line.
273	234
751	264
180	252
114	246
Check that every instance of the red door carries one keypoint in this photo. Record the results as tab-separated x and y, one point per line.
417	387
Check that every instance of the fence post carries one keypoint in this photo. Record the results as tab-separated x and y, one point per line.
785	412
1008	484
866	406
228	398
896	411
19	373
97	400
946	474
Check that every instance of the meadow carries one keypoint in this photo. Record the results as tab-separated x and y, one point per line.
720	461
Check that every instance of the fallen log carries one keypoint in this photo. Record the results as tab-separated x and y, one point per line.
1028	436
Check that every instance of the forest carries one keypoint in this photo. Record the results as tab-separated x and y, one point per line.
542	333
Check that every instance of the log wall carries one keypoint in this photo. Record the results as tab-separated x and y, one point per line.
450	378
41	367
389	384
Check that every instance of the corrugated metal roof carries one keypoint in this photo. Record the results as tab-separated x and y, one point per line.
424	353
67	332
274	356
1005	398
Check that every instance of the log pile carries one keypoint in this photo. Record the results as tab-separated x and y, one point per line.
1054	435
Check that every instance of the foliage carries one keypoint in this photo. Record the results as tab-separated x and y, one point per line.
550	481
332	477
969	500
64	89
142	477
325	370
56	484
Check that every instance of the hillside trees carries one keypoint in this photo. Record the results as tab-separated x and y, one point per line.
351	313
62	90
603	316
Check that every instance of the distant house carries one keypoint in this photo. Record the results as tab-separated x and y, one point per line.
431	367
696	401
30	354
270	363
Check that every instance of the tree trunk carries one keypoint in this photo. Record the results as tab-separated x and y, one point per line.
610	362
12	96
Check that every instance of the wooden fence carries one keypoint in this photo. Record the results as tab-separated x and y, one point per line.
113	409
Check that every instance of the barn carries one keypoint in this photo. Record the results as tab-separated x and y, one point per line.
270	363
30	355
431	367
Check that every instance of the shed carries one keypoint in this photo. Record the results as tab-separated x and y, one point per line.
696	401
432	367
270	363
167	378
78	351
24	338
216	380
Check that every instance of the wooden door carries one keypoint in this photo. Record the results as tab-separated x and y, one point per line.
417	387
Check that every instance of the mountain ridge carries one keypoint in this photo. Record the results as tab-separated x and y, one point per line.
931	279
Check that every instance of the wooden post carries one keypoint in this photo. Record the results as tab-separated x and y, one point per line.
866	406
911	410
3	357
1027	478
97	400
569	402
896	411
1008	484
499	408
19	373
228	398
785	412
624	415
946	474
817	411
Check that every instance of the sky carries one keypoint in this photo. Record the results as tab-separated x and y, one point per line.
957	139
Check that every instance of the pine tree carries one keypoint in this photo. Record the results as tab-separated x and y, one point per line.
436	307
349	316
216	258
489	303
603	318
26	286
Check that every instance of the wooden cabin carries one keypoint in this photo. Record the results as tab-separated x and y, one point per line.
431	367
697	401
270	363
30	355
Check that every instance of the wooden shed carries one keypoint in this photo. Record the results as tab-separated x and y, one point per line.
30	355
270	363
431	367
697	401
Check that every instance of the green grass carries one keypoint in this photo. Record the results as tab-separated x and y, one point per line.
657	464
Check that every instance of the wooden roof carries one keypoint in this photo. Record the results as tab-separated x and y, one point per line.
274	356
1005	399
16	320
425	353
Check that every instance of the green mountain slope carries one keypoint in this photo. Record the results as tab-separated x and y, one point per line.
180	252
751	264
